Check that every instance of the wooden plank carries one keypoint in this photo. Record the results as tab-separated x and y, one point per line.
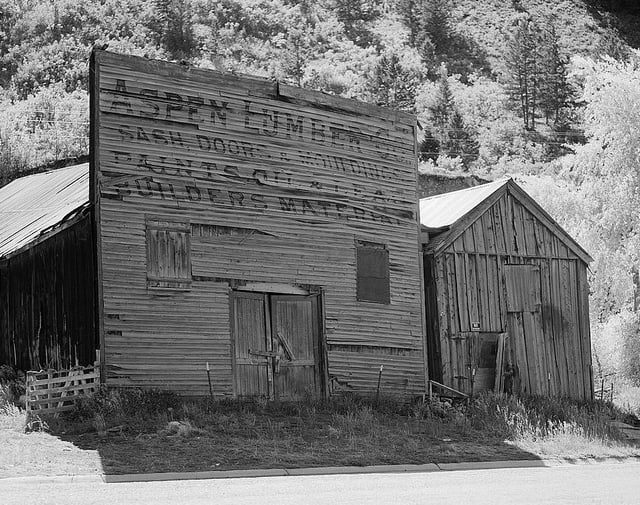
529	232
518	225
453	315
499	227
576	340
558	329
444	329
518	340
585	336
462	295
547	330
569	328
498	386
473	291
506	212
491	280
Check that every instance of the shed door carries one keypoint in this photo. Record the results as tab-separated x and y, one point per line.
524	320
486	351
253	374
295	336
276	345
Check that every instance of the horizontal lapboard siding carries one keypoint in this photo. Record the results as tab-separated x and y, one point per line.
266	203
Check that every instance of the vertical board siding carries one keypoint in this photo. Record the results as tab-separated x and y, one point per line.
47	313
276	190
548	326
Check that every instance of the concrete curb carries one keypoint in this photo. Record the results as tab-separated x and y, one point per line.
273	472
488	465
344	470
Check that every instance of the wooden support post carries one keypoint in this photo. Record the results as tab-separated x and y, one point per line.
378	388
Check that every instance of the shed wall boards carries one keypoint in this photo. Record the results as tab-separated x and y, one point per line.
230	214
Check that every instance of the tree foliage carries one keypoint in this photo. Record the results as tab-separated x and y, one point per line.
536	72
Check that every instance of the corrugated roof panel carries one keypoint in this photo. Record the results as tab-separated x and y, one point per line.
442	211
36	203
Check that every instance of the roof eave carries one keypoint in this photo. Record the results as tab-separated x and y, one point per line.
67	222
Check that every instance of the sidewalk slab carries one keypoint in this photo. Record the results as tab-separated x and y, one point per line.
49	479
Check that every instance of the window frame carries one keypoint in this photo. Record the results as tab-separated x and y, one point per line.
181	247
364	293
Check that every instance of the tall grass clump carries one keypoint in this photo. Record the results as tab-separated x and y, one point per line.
549	426
135	409
11	416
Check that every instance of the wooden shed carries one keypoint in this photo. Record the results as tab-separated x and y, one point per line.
265	233
506	295
47	281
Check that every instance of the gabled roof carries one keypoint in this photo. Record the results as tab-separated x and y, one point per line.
440	212
447	216
39	204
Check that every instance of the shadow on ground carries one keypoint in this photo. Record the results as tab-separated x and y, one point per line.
283	442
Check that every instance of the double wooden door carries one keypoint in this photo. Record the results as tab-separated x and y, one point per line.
277	345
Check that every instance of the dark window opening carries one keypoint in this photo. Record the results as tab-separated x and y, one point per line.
372	265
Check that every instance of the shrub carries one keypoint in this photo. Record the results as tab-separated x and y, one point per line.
13	386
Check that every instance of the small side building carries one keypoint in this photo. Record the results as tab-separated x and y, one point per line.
506	295
47	281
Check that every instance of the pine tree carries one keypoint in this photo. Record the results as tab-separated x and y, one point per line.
442	109
392	85
554	89
176	32
450	133
461	141
523	64
435	23
356	15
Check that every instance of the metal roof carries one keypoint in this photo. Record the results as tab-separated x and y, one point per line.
442	211
32	205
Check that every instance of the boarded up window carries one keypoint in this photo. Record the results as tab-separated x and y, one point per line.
168	254
372	263
523	288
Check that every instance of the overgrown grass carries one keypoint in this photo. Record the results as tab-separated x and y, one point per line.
546	426
553	427
11	416
154	431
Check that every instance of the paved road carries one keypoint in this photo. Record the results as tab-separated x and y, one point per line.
580	484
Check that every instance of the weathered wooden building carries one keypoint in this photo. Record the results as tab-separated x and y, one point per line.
266	232
506	295
47	290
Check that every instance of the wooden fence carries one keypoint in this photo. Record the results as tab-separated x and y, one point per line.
52	391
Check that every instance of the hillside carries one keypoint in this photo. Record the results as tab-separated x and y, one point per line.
388	52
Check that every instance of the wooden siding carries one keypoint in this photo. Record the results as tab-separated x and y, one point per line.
47	310
278	186
549	344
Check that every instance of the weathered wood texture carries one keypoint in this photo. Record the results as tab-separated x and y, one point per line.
541	302
47	312
53	391
276	186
